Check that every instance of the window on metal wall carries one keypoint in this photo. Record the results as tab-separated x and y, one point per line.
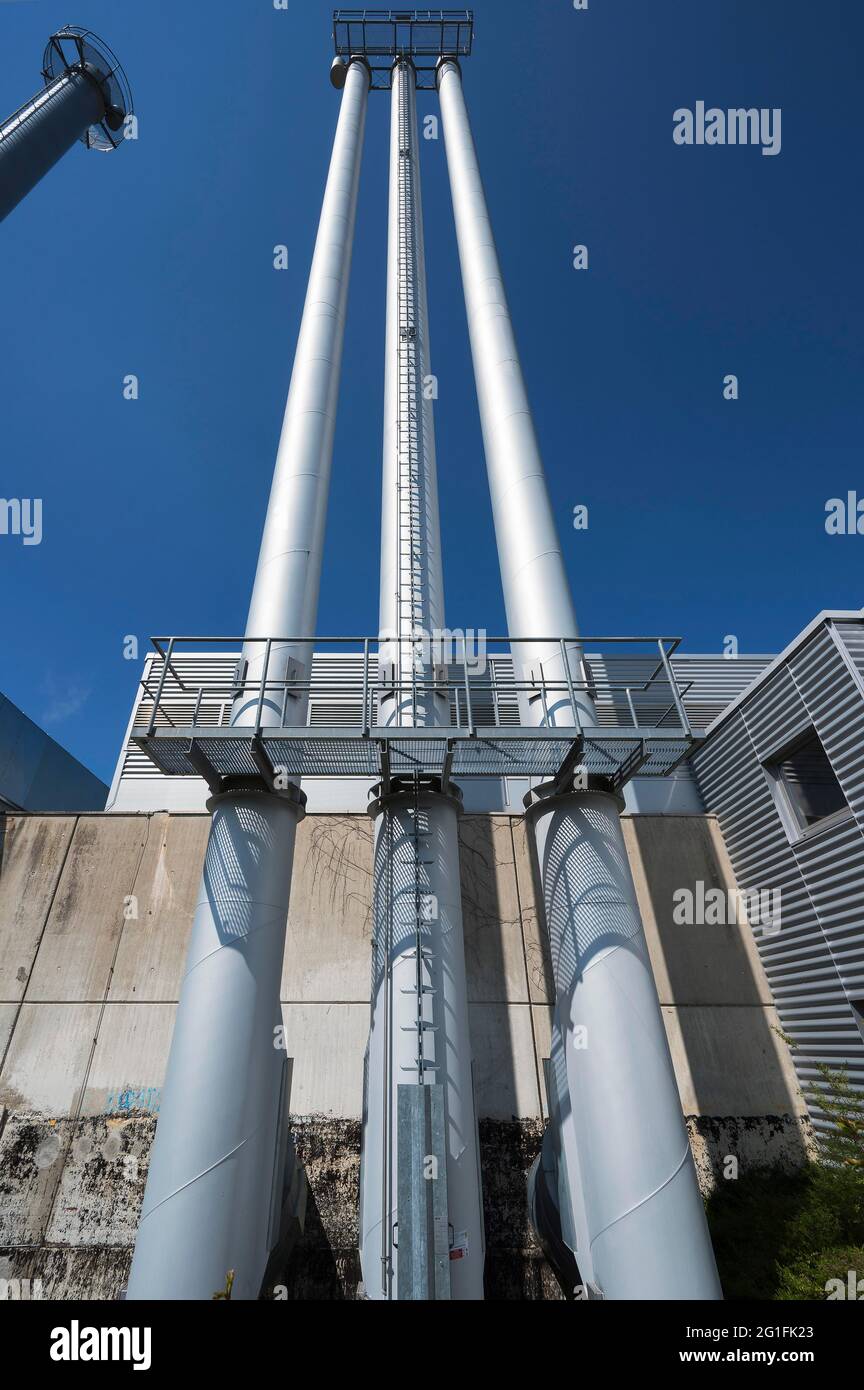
807	785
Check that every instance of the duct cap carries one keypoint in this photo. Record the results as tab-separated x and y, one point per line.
79	50
339	69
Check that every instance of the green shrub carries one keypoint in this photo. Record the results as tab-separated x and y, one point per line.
775	1231
785	1235
808	1278
844	1145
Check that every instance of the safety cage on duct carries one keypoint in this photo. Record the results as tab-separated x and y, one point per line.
356	714
73	49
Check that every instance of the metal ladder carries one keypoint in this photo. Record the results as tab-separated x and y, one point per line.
422	953
425	1065
411	621
410	602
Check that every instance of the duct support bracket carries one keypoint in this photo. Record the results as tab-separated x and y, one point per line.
270	780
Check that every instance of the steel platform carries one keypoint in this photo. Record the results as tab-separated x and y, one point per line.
385	753
184	727
382	36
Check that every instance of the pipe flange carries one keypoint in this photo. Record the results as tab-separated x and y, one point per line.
403	792
446	58
359	58
234	788
589	785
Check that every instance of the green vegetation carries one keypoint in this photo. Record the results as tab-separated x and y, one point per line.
784	1235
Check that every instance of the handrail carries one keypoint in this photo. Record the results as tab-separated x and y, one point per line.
401	695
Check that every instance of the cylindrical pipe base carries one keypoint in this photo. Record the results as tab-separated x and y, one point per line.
417	901
209	1204
637	1211
215	1151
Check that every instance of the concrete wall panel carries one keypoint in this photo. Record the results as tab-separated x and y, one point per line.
46	1063
494	949
505	1072
327	1043
769	1141
84	924
693	964
538	961
130	1059
32	851
730	1061
98	1200
152	952
328	951
33	1151
69	1273
541	1018
8	1014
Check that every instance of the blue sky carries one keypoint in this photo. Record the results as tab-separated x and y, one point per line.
706	516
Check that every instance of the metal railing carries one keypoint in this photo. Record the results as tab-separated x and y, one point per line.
459	688
424	36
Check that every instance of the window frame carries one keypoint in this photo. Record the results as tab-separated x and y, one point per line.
795	829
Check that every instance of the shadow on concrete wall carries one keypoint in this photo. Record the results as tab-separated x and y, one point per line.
734	1070
498	911
484	925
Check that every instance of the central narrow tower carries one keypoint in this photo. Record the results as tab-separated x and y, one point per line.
421	1223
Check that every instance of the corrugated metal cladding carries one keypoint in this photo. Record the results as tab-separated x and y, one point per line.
815	962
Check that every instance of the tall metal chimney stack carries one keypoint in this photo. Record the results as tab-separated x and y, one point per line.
629	1201
86	97
421	1208
614	1192
213	1196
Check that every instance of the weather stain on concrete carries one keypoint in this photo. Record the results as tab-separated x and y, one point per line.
784	1142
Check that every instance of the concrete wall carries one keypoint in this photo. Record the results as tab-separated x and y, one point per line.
94	916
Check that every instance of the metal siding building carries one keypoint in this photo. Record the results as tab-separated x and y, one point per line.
37	774
815	962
